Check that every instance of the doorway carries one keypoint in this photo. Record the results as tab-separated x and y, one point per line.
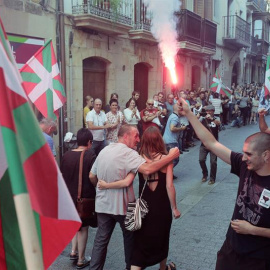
235	73
141	83
196	77
94	78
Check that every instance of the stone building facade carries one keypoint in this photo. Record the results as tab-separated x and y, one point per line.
240	29
107	55
107	46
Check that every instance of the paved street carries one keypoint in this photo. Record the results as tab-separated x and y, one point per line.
206	211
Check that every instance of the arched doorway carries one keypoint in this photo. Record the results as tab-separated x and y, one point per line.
253	68
94	78
235	73
141	83
195	77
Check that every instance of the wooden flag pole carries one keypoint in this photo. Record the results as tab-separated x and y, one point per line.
28	231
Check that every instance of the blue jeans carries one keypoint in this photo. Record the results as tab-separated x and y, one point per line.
97	146
169	146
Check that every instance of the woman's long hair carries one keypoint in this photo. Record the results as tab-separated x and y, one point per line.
152	143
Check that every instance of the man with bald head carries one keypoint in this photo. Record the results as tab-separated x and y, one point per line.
148	114
97	122
247	244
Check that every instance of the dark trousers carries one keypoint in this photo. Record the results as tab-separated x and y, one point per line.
244	114
106	224
225	115
228	259
97	146
213	163
172	145
231	108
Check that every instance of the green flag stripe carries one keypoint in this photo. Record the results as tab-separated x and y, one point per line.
4	42
30	77
227	92
14	161
47	57
37	221
268	62
11	233
30	139
214	85
49	98
17	39
58	86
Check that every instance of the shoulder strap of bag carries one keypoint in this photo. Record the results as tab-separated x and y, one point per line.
80	175
145	182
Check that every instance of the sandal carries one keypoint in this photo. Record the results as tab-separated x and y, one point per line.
171	266
73	256
85	262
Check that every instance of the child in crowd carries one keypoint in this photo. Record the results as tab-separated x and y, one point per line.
155	120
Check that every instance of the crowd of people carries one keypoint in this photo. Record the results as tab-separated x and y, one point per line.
119	143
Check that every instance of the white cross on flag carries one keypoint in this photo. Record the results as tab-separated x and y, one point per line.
218	87
42	81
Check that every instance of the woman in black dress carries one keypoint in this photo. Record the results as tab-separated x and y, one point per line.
151	242
70	170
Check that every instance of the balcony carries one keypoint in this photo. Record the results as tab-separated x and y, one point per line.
102	16
257	5
259	49
236	32
195	35
141	31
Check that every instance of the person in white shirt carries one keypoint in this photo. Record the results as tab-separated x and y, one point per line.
216	102
131	113
97	123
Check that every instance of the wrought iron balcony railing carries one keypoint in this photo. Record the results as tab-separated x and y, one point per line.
121	13
237	30
143	17
192	28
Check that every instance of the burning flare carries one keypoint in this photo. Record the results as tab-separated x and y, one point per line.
169	63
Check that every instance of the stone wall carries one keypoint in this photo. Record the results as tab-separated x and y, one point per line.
120	54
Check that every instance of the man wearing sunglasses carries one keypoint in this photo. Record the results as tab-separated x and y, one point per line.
149	114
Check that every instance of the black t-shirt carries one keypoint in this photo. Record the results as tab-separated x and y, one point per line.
70	171
211	126
247	207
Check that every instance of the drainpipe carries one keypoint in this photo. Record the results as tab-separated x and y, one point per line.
60	40
71	118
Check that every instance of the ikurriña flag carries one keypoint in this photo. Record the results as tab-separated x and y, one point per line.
28	172
267	80
42	81
218	86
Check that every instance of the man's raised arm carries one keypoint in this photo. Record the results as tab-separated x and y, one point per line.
205	135
262	123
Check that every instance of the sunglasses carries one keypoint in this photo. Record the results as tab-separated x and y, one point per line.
150	104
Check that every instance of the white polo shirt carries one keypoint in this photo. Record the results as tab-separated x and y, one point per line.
113	163
98	119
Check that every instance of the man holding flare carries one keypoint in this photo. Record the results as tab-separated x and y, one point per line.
247	244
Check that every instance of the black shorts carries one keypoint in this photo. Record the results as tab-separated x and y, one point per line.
228	259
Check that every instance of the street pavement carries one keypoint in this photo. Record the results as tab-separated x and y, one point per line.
206	211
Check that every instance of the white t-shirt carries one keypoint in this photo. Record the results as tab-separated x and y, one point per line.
131	120
216	102
98	119
113	163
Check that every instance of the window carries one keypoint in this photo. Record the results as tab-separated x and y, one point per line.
216	10
257	29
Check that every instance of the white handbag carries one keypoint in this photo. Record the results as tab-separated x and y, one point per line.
135	212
